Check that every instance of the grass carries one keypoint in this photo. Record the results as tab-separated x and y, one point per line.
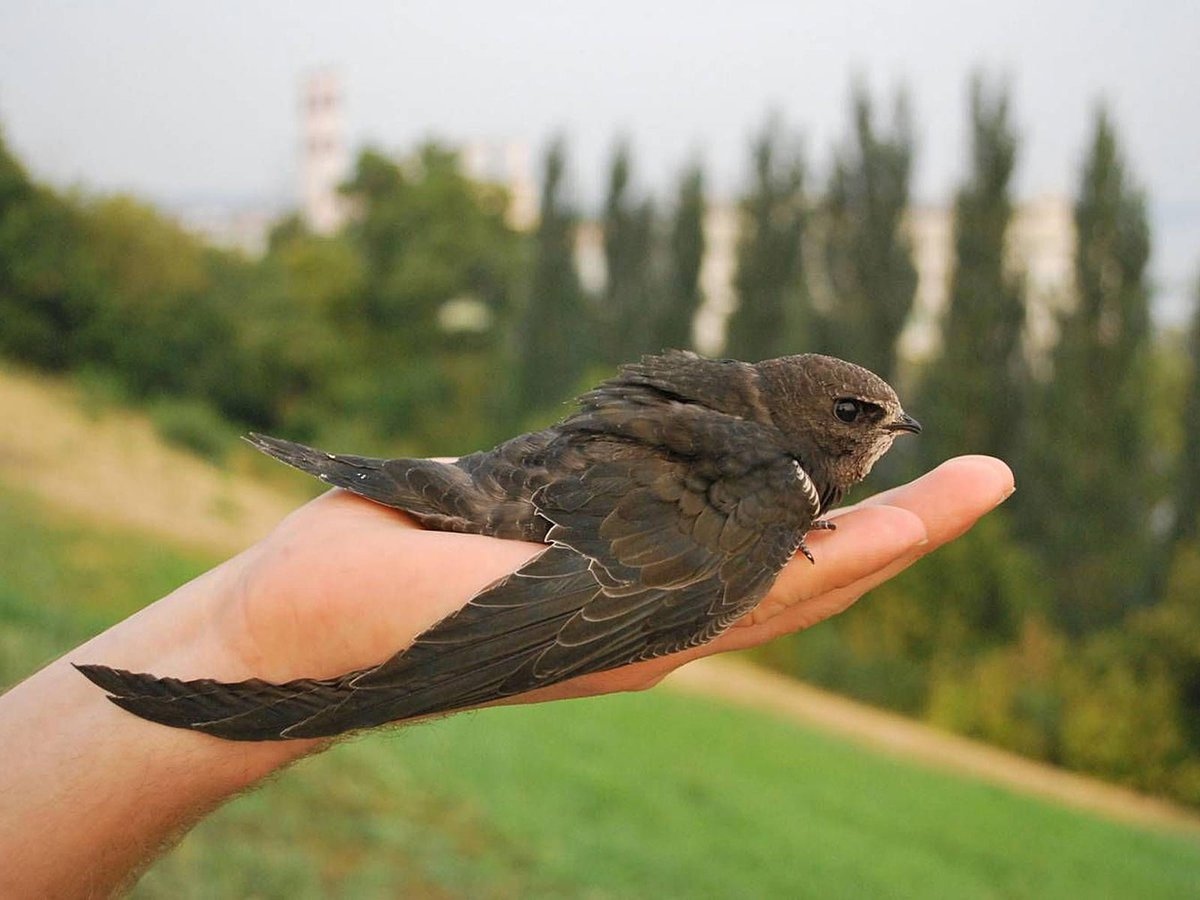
636	796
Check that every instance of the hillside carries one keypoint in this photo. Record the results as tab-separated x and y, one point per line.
108	465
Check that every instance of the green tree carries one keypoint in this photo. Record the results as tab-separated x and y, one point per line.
553	347
768	281
440	267
974	389
1089	514
46	287
629	303
428	234
681	292
867	256
1187	486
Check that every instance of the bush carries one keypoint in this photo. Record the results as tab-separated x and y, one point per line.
194	426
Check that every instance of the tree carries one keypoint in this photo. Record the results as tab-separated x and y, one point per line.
552	345
157	324
770	310
681	292
629	302
1187	486
973	392
432	241
428	234
46	288
1090	513
867	257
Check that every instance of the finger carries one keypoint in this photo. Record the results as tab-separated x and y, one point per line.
953	496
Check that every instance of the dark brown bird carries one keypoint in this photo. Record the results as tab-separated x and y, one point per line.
670	502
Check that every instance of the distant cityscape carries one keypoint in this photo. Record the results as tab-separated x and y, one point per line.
1041	238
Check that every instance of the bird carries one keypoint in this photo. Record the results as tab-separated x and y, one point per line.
668	503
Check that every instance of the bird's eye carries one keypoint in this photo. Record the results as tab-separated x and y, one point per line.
847	410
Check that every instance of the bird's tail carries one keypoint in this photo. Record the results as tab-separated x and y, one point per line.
257	710
429	490
252	710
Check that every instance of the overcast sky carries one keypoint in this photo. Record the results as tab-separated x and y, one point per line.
195	102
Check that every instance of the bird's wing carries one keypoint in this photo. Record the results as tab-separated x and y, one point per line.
649	557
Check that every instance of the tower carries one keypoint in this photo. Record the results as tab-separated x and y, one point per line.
323	160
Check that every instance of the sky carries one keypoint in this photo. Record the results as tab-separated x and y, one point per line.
188	103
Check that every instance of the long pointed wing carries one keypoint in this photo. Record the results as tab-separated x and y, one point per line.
650	557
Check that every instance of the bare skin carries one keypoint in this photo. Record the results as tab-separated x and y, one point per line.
89	795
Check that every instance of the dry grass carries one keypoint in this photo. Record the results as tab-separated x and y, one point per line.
110	466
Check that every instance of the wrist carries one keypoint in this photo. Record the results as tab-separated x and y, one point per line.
193	632
89	787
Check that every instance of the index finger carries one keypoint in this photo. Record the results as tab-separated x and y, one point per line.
949	498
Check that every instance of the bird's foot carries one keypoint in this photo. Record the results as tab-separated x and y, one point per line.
823	525
803	548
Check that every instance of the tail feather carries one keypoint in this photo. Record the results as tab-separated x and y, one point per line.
251	710
257	710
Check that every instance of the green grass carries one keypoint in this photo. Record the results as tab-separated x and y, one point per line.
653	795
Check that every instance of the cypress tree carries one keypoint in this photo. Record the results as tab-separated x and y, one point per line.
867	256
769	261
681	292
629	231
551	353
973	393
1187	481
1089	514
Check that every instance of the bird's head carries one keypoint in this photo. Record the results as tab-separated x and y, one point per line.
835	415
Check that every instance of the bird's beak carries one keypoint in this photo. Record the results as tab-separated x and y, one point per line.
905	423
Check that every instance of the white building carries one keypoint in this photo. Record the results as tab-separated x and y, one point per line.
324	162
507	163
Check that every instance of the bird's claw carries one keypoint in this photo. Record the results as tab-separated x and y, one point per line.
823	525
807	553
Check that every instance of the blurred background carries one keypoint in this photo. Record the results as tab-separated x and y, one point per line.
419	229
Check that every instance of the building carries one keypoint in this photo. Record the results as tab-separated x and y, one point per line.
717	273
324	161
1040	248
506	163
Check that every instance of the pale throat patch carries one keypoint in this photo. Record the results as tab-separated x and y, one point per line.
882	446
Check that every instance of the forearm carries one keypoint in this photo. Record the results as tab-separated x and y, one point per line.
88	793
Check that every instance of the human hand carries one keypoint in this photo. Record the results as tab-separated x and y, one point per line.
344	583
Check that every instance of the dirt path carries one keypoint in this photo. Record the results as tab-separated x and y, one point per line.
738	682
113	468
